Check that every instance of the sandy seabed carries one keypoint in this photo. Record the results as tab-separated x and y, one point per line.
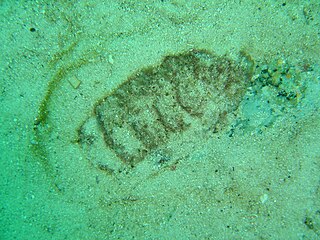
255	175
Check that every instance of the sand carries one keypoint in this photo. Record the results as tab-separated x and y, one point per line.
256	177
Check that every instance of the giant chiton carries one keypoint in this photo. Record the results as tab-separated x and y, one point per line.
159	102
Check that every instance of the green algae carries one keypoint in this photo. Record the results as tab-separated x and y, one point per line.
42	123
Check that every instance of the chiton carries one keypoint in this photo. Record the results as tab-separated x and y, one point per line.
159	102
